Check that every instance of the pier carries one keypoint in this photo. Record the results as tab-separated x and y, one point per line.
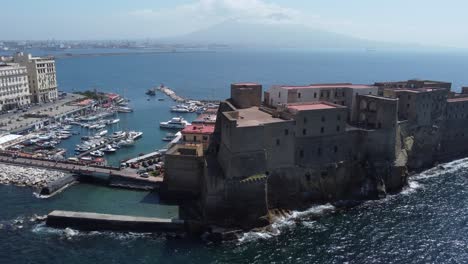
95	221
169	92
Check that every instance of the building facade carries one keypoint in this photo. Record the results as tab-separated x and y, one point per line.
42	77
14	86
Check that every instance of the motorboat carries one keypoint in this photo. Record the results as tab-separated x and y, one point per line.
86	158
44	137
114	121
108	149
134	134
93	126
118	134
101	133
101	126
175	123
177	109
82	148
116	146
124	109
97	153
169	137
151	92
126	142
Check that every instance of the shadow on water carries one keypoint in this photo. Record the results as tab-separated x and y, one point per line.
151	198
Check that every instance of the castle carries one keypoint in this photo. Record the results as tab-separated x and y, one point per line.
316	143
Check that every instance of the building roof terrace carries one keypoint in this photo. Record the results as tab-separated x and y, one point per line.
252	116
327	85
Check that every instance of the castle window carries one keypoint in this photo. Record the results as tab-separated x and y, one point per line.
304	131
279	94
315	95
319	152
277	142
185	138
305	120
322	129
323	119
195	138
307	175
301	153
299	95
337	128
336	93
335	149
338	117
205	138
286	132
407	105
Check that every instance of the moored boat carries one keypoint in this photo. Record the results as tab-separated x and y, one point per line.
175	123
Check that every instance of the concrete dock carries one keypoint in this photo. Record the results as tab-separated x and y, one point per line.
94	221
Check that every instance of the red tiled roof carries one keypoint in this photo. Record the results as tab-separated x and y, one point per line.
198	129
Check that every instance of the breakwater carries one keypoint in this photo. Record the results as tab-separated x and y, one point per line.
94	221
28	176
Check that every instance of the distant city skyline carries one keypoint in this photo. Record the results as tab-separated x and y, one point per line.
428	22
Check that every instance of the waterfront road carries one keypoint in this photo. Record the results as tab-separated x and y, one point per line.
77	168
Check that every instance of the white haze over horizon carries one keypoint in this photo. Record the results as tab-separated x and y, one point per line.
425	22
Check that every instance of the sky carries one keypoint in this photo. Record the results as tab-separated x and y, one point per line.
428	22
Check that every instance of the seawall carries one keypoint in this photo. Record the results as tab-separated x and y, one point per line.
93	221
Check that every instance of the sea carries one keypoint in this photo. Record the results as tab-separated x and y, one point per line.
426	223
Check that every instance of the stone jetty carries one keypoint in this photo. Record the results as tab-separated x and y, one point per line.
28	176
171	93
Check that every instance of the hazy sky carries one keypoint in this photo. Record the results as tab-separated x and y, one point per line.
430	22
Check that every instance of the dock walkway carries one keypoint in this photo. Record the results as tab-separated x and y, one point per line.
79	169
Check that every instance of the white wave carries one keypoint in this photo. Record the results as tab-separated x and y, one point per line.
70	233
442	169
284	222
412	187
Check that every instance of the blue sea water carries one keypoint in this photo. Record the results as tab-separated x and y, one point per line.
426	223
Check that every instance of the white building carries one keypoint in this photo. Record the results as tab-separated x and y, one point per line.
337	93
14	88
42	77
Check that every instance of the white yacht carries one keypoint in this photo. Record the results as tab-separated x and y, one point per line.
134	135
180	109
97	153
101	133
108	148
126	142
118	134
175	123
124	109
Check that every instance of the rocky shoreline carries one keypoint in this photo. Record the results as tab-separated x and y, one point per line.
28	176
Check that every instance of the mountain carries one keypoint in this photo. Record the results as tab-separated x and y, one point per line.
241	34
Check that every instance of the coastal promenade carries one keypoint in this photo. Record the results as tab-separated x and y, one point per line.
81	169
